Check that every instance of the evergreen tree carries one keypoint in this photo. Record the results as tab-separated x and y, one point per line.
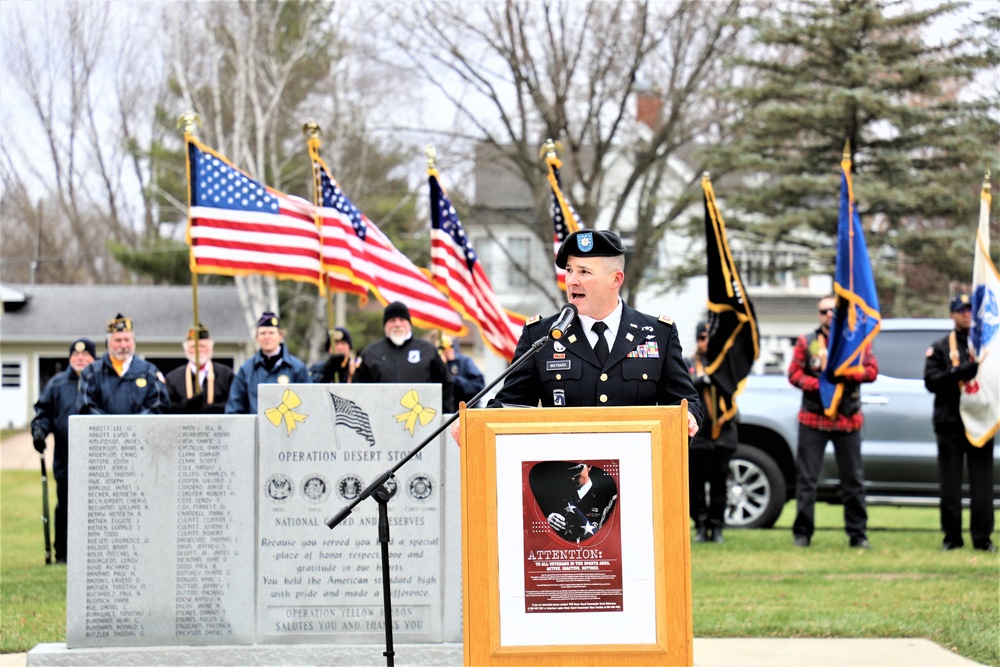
862	70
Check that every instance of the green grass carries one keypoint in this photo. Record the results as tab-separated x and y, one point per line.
32	595
755	585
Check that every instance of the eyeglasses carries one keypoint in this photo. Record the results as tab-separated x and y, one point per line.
825	311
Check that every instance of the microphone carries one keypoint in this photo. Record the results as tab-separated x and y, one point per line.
563	322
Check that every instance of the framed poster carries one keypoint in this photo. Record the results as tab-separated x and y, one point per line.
575	527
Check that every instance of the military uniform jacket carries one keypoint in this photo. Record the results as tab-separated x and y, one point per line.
177	388
59	400
253	372
942	378
139	391
645	367
413	362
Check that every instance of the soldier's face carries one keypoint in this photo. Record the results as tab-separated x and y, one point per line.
963	319
826	309
205	348
269	339
80	360
121	345
397	329
592	286
341	347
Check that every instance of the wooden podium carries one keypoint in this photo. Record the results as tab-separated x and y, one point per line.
554	574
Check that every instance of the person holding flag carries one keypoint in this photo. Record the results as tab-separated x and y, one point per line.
948	370
829	365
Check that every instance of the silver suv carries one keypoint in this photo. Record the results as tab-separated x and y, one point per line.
898	446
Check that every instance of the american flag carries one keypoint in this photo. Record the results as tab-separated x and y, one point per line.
347	413
456	270
564	218
353	246
237	226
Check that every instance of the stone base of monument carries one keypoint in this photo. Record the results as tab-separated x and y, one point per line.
335	655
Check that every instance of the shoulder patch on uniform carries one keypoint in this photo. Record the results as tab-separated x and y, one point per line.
666	320
929	353
532	320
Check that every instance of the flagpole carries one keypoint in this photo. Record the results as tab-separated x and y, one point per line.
189	119
312	130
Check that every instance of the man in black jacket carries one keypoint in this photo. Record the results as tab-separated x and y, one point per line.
401	358
201	386
59	400
946	372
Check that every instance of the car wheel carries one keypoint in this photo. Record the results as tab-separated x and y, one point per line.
756	489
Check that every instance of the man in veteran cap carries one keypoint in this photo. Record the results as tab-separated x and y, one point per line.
120	383
948	371
273	364
339	366
612	355
52	412
202	385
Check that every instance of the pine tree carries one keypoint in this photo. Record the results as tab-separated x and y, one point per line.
863	71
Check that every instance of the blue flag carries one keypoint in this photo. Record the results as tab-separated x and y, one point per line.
857	319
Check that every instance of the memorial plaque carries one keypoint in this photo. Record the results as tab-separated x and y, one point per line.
161	531
320	446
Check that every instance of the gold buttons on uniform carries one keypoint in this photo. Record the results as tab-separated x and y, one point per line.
645	377
559	376
604	377
604	398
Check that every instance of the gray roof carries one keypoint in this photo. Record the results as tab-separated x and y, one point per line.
159	313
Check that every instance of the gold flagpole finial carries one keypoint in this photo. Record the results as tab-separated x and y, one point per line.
432	155
311	129
550	149
986	180
847	149
705	176
188	119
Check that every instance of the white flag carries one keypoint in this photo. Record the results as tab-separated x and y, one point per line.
980	400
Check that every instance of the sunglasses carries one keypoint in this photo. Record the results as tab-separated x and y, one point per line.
703	337
825	311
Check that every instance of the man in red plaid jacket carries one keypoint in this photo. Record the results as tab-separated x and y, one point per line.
816	429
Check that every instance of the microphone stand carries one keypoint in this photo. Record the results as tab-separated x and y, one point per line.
381	494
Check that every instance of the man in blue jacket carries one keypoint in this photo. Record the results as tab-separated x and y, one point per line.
120	383
273	364
52	412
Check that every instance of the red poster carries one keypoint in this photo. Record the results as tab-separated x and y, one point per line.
572	536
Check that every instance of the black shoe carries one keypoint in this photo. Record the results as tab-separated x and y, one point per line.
986	546
951	546
860	543
717	536
801	541
701	535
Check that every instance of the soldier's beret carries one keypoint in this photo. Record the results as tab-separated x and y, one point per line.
589	243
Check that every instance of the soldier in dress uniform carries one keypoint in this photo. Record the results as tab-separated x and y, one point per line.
273	364
120	383
213	378
613	355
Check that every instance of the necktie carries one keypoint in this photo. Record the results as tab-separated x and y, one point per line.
601	348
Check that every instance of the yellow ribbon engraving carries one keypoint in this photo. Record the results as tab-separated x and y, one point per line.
411	401
285	411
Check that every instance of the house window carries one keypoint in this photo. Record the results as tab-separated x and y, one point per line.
780	268
519	267
11	375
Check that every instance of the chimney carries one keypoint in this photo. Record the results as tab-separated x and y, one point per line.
649	105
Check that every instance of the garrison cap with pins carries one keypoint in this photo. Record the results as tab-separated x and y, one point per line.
268	320
198	333
959	301
120	323
590	243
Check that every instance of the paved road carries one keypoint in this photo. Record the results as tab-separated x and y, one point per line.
17	453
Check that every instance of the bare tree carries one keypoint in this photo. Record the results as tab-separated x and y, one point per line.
71	183
520	72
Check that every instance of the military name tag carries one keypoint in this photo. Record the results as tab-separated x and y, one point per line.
558	365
